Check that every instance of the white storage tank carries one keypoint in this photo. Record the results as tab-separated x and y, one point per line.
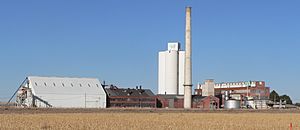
162	73
232	104
172	72
181	61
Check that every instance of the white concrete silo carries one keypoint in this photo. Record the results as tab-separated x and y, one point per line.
181	62
171	72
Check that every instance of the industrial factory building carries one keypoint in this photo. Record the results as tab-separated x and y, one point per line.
170	101
136	98
205	102
253	89
171	70
199	102
175	72
58	92
234	95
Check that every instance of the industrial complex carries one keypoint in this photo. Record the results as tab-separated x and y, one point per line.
250	94
62	92
174	88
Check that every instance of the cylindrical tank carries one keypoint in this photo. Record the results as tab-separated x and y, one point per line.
232	104
171	72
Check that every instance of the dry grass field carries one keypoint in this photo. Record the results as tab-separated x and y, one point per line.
150	120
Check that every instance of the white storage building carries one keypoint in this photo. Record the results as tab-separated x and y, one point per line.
61	93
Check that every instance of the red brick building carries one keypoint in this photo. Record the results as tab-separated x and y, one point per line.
252	89
209	102
200	102
170	101
135	98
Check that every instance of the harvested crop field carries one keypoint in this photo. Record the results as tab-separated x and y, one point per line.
148	119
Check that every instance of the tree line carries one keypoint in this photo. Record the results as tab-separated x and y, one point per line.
274	96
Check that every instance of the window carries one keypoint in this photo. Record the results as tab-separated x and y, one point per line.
97	85
89	85
45	84
72	85
63	84
54	84
35	84
80	85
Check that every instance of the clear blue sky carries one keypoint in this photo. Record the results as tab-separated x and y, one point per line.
118	40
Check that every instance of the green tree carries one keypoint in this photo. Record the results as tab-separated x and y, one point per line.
286	98
274	96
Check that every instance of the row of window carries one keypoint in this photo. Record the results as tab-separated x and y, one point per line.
72	85
232	84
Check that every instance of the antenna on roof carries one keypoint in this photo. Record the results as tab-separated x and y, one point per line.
104	85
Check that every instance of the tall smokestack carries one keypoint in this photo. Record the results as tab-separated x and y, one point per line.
188	61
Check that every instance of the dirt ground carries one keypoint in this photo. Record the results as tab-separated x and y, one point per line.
9	110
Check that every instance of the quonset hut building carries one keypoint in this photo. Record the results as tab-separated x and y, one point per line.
58	92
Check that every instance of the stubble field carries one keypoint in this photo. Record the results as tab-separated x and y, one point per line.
156	120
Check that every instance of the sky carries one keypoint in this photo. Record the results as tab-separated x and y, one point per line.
118	41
